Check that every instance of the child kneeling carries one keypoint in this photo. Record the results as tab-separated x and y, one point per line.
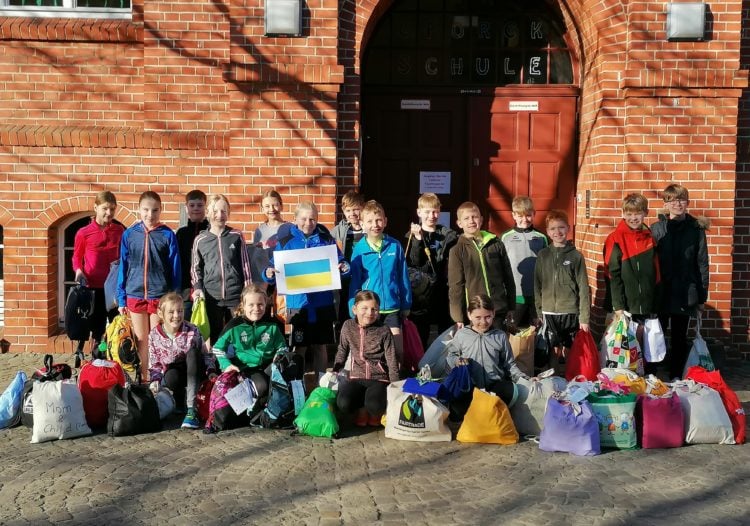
373	361
250	342
487	353
175	356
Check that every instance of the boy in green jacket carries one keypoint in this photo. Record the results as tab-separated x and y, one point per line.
479	264
561	289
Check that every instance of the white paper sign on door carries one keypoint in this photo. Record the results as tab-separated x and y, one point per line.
435	182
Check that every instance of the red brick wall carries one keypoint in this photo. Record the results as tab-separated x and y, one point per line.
191	94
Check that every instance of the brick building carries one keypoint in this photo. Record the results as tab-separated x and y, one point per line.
575	102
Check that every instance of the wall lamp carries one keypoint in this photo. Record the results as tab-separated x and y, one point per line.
686	21
283	18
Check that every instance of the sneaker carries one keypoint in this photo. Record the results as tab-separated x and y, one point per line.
191	420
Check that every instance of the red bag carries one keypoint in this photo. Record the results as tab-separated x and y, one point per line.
583	358
732	404
203	399
659	421
94	381
413	349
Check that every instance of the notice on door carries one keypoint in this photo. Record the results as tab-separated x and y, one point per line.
415	104
523	105
435	182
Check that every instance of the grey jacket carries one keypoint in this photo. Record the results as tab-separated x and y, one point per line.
489	355
220	266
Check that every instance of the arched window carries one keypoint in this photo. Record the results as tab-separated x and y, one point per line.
66	235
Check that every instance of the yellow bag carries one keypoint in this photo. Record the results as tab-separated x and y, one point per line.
487	421
121	345
199	318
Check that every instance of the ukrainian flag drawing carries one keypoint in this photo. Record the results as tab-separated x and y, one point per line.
315	273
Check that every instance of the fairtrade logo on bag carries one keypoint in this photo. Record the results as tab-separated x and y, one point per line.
412	413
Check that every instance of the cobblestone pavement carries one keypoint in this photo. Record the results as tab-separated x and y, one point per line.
250	476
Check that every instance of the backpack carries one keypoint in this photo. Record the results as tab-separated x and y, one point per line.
132	411
94	381
286	393
51	372
121	346
79	307
203	399
221	416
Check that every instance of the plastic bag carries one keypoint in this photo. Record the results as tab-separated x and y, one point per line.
199	318
583	359
317	417
654	345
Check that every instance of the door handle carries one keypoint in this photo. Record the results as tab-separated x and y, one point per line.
476	161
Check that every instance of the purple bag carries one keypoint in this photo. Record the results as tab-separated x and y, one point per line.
570	427
659	421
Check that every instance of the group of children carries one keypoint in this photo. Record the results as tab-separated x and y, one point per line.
482	283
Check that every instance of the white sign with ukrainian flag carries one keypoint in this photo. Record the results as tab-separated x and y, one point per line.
307	270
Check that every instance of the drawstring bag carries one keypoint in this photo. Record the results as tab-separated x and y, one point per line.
413	349
487	421
729	398
654	344
415	417
583	358
659	421
199	317
95	380
317	418
132	410
570	427
616	416
533	393
457	383
706	420
10	401
699	354
58	411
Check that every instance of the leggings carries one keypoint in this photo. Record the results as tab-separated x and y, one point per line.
369	394
182	378
218	316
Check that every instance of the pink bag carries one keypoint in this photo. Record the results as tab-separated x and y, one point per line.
413	349
659	421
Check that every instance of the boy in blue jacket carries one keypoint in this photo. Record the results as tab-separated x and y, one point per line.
312	315
379	265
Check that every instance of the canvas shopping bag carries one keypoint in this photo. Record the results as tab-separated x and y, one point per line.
487	421
706	420
616	416
528	411
570	427
659	421
415	417
523	345
729	398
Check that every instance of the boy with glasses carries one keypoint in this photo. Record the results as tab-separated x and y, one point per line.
683	263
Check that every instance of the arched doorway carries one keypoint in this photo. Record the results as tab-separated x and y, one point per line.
471	100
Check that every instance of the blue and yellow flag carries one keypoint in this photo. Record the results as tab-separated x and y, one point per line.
316	273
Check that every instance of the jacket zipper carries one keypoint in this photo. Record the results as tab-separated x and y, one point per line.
484	272
145	261
221	266
362	352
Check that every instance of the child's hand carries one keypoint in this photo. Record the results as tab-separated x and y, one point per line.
270	272
459	325
123	310
416	231
154	386
619	313
232	368
584	327
343	267
197	293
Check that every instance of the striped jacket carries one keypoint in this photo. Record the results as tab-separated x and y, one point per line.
220	266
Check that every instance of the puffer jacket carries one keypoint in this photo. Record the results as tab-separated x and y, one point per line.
149	263
561	284
383	272
372	350
296	239
683	261
480	268
631	269
489	355
220	265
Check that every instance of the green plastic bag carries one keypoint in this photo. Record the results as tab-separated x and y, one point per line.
199	318
317	418
614	412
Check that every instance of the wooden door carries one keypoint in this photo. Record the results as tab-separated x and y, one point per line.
522	145
404	135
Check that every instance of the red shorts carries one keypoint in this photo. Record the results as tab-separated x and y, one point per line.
139	306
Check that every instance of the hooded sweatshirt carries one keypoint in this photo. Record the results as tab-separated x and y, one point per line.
480	267
489	355
631	267
561	284
683	262
372	351
522	246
